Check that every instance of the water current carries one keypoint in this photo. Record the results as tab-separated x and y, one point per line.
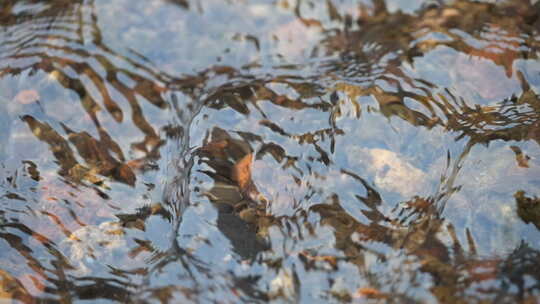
284	151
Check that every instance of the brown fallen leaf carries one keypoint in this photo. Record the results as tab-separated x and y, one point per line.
419	204
528	208
241	172
368	292
11	288
125	174
503	57
521	158
143	246
216	149
80	172
241	175
331	260
136	164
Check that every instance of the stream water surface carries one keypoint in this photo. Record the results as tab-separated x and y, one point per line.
285	151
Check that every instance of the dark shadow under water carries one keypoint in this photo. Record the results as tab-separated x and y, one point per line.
378	154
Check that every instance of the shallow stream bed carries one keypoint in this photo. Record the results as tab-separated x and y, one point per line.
284	151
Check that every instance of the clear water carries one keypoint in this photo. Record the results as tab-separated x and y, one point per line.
285	151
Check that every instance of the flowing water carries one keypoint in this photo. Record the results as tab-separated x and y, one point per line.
286	151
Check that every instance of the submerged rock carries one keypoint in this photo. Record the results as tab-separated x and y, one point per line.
390	171
92	245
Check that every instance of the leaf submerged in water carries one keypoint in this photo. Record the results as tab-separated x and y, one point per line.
528	208
521	158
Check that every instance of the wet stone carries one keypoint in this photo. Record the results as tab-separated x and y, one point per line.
93	247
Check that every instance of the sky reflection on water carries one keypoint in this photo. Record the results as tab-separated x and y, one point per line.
253	151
